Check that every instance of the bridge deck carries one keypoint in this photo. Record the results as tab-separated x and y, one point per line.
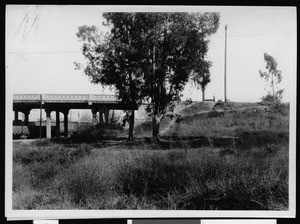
63	103
71	101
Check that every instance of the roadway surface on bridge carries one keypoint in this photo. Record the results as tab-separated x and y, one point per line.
68	101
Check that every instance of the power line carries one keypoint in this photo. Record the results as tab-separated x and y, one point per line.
243	34
43	52
225	97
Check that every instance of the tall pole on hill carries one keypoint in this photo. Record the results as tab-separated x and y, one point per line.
225	98
41	107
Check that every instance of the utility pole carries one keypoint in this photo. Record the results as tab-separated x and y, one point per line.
225	98
41	107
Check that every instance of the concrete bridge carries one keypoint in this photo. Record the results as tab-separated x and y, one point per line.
63	103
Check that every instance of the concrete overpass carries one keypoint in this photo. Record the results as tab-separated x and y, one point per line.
63	103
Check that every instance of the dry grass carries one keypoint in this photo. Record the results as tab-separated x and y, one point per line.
131	178
233	123
143	176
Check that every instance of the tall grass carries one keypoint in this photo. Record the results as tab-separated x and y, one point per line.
203	178
34	168
48	175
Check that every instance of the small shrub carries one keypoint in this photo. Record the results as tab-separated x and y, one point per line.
282	109
42	142
89	134
100	131
188	101
271	99
144	127
114	125
215	113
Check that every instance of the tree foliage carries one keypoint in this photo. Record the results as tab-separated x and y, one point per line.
150	56
273	77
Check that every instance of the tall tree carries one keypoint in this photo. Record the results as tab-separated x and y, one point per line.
208	24
178	42
151	56
273	76
111	61
201	77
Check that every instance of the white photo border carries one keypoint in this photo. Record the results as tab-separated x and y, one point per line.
130	214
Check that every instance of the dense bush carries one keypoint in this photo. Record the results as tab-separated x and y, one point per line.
144	127
90	133
97	132
271	98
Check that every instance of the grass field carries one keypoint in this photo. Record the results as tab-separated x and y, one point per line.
48	175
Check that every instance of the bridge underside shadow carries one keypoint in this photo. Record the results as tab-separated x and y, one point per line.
63	103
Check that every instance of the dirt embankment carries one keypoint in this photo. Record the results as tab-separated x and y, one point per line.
225	118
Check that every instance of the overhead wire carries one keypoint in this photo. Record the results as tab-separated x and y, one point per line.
44	52
236	34
246	34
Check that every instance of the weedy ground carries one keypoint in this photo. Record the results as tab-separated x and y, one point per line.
48	175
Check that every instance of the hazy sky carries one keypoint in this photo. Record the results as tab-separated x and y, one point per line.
41	46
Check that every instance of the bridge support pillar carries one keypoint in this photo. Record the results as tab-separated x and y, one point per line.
16	115
66	112
48	123
101	116
26	116
57	124
106	114
94	112
26	120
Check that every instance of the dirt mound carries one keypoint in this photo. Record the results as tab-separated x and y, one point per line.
231	106
197	107
221	118
165	122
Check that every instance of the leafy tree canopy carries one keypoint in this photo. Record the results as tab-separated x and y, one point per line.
273	77
150	56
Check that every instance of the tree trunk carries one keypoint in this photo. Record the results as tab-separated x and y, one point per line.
131	125
101	117
203	94
106	114
112	117
155	129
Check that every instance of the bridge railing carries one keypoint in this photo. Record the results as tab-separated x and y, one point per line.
59	98
26	97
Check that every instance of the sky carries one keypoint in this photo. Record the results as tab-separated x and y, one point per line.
42	46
